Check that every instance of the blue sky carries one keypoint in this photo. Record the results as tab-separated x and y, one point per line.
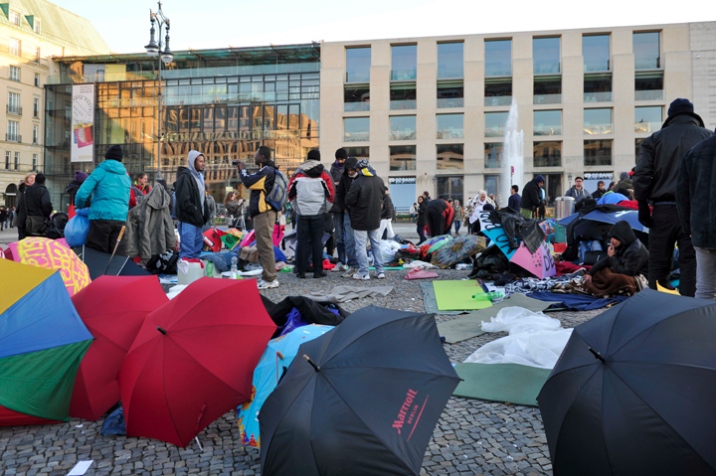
222	23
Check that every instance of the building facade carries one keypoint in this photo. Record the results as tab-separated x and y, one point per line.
32	33
430	113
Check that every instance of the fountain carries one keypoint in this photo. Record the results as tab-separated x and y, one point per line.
513	157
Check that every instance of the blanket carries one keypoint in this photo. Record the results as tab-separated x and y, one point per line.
606	282
346	293
578	302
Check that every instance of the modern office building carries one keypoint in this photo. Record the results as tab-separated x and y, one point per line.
32	33
431	112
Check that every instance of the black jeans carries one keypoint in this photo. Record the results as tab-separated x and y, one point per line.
309	240
666	231
103	236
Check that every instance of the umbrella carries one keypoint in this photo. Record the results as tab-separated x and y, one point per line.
113	308
362	399
52	254
273	364
96	262
457	250
611	217
540	263
42	341
633	392
193	359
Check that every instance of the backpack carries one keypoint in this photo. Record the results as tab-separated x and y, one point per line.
276	197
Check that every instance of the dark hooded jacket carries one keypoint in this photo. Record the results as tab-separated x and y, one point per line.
531	197
191	206
339	204
657	168
630	258
37	201
696	194
337	174
365	202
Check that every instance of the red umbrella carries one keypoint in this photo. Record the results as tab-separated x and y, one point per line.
113	308
193	359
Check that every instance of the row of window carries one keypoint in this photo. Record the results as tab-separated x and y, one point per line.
15	48
11	164
546	57
597	121
14	74
14	105
16	18
13	132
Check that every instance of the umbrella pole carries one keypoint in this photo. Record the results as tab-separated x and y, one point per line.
116	245
201	448
123	265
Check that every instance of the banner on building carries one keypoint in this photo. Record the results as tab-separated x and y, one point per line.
82	123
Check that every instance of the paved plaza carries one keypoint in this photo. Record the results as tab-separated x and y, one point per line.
472	437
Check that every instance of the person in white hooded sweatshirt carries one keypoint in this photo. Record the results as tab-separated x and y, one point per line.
192	210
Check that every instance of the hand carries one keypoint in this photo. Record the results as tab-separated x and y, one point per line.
587	278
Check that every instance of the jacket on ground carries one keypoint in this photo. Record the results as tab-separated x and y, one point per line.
108	185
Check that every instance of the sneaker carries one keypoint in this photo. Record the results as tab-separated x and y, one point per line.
361	277
339	267
381	276
349	272
267	284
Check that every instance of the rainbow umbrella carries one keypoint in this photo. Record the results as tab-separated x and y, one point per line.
42	341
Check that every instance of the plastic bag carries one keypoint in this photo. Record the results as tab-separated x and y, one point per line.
77	228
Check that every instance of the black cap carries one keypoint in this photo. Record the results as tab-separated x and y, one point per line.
114	153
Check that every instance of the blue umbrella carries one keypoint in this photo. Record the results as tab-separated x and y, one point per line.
630	216
275	360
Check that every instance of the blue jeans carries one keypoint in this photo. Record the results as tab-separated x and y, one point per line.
362	238
338	236
349	241
705	273
192	240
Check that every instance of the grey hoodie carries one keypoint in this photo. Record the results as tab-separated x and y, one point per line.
198	176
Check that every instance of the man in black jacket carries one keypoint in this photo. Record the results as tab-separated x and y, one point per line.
655	178
350	172
337	169
192	211
531	197
39	206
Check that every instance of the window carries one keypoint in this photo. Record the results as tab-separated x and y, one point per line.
358	152
404	63
356	129
14	18
548	123
498	58
493	155
450	60
36	107
17	160
402	157
498	91
647	50
598	87
14	73
37	26
402	128
649	86
358	65
356	98
492	184
647	119
595	50
598	152
13	103
450	126
450	187
450	94
547	89
35	134
547	153
38	54
34	161
7	159
402	96
450	157
495	124
15	47
37	79
546	55
598	121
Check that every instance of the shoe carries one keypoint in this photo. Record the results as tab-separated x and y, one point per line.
320	275
349	272
361	277
381	276
339	267
261	284
301	275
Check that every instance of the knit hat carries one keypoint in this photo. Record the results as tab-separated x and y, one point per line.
114	153
80	176
680	106
341	153
314	154
624	176
539	179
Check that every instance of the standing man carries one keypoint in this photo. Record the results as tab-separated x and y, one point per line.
310	194
337	169
3	217
108	185
192	209
513	203
262	214
695	196
350	173
655	178
577	191
139	190
39	206
364	201
387	215
211	204
600	190
531	197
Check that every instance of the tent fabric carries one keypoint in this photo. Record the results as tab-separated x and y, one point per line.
577	302
312	311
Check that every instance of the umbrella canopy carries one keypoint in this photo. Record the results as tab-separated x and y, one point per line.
52	254
540	263
361	399
612	217
96	262
113	308
42	341
273	364
633	392
457	250
193	359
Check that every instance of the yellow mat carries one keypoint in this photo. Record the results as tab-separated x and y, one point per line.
456	295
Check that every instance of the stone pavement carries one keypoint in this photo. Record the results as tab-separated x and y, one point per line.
472	437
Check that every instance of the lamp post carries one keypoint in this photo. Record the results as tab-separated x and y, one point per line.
161	51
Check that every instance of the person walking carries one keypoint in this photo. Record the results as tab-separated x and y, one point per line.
262	214
459	215
310	195
695	196
387	215
39	207
337	169
192	208
364	201
513	203
531	197
108	188
655	183
11	216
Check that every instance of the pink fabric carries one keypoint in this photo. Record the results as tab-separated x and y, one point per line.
420	273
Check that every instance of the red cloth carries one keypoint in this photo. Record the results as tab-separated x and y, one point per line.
566	267
132	194
633	204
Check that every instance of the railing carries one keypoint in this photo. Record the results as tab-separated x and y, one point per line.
450	102
17	110
13	138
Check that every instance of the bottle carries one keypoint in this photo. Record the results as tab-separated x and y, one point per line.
234	268
210	269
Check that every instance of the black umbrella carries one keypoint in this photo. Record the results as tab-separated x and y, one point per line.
634	391
361	399
97	262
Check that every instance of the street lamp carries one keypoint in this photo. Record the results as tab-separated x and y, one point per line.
154	50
